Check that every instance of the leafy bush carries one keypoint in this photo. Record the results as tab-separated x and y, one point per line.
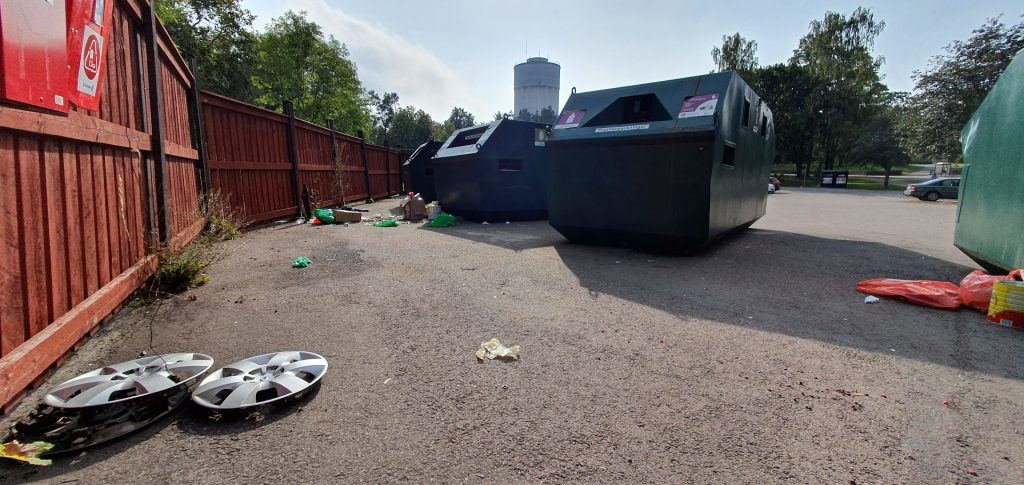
225	221
182	271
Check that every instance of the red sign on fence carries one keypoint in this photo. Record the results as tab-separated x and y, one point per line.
88	28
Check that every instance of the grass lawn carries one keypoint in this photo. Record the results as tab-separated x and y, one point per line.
873	184
853	183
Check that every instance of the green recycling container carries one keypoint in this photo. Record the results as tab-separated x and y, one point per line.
668	166
418	170
990	216
493	172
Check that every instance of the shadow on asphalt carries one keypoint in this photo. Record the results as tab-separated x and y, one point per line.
189	418
788	283
516	236
804	286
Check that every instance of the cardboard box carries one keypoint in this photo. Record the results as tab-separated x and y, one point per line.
414	209
341	216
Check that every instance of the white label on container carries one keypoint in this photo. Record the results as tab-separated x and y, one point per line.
622	128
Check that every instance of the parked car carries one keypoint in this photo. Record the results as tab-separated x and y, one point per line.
935	189
775	182
771	188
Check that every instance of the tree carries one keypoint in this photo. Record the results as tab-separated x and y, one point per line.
736	54
384	107
837	54
880	143
219	35
498	115
443	130
410	128
461	118
546	115
954	85
786	89
298	62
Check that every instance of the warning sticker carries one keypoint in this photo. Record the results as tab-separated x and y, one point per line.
89	67
570	119
703	105
622	128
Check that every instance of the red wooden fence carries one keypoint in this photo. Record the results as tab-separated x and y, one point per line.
79	194
74	210
247	149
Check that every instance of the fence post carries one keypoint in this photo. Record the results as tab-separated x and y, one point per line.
366	166
339	169
197	108
293	158
388	151
157	128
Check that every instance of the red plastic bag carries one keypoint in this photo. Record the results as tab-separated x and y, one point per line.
976	288
935	294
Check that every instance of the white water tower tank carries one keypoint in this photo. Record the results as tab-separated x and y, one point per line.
536	84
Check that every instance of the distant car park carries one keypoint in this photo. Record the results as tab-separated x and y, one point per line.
935	189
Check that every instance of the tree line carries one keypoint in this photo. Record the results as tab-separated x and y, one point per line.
293	59
831	107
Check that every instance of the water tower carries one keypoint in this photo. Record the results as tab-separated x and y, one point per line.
536	84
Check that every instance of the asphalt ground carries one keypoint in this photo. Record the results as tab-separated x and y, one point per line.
752	362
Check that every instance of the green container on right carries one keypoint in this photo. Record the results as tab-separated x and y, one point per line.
990	217
669	166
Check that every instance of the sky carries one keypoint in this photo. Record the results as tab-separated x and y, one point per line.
441	54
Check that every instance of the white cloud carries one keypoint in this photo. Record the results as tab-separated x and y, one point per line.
387	62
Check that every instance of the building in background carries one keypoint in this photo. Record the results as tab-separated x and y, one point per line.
536	89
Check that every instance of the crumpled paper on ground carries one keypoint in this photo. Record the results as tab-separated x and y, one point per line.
493	349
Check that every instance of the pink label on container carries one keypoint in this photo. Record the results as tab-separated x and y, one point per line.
570	119
703	105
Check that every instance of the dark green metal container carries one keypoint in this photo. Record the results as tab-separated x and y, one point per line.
990	218
418	170
667	166
493	172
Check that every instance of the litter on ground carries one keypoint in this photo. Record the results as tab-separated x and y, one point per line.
28	452
301	262
493	349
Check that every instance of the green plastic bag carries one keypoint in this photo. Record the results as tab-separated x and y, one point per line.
387	223
301	262
326	216
443	220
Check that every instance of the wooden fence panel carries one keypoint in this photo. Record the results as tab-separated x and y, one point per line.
247	149
352	172
74	219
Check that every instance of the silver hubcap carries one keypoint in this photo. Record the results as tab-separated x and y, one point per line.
129	380
260	380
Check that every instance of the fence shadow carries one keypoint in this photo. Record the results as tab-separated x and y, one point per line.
803	286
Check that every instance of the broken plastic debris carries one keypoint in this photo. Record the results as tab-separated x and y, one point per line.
493	349
301	262
871	299
28	453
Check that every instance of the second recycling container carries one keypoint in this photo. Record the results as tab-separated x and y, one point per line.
668	166
493	172
418	170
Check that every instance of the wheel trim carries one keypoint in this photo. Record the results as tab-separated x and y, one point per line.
260	380
128	380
